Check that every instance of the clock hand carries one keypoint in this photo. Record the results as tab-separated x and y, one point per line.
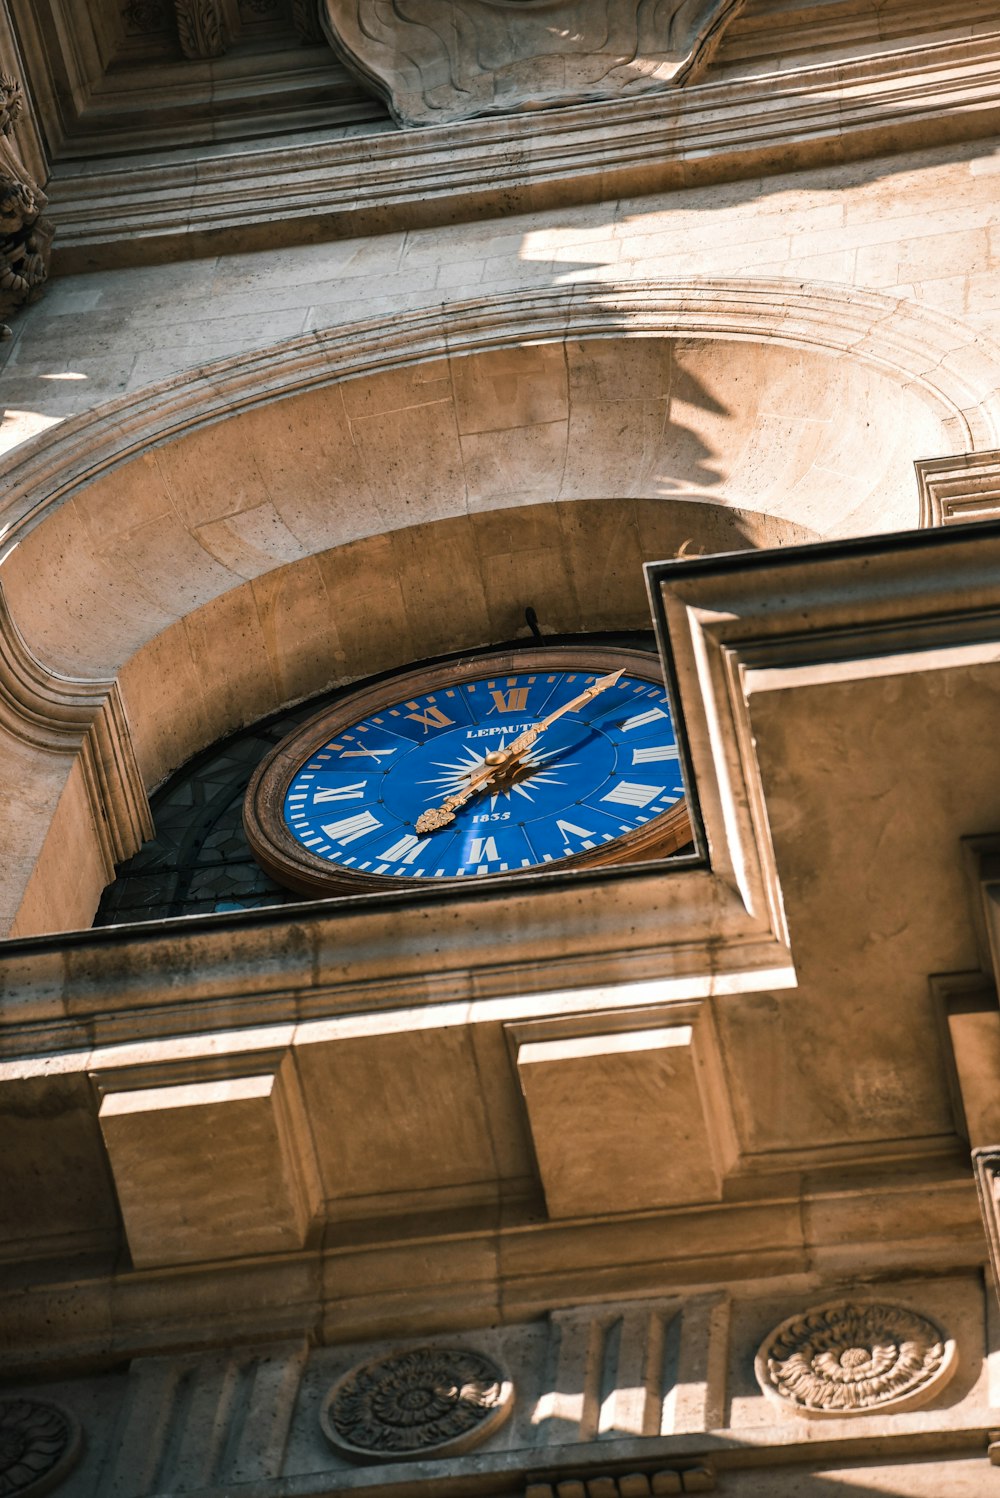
526	739
497	760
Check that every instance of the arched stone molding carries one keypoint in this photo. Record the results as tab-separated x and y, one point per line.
68	764
113	571
954	369
324	620
63	716
382	602
136	503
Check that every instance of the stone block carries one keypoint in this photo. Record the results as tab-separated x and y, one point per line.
213	1169
666	1482
634	1485
618	1120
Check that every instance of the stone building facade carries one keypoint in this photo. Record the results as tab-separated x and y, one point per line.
356	340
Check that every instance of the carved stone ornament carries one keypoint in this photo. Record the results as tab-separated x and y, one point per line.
40	1443
440	60
25	237
425	1401
201	27
855	1357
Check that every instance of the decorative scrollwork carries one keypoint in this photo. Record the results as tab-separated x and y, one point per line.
200	28
421	1402
25	237
854	1357
445	60
39	1444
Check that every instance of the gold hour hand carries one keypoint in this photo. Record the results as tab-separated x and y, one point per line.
436	817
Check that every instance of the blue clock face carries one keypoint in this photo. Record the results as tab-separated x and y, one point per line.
597	772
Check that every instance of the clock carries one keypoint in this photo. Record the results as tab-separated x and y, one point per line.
542	758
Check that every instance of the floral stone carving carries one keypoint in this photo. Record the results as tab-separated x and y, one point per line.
855	1357
25	237
425	1401
39	1444
440	60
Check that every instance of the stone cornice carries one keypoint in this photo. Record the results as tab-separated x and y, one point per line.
68	716
385	180
340	1291
955	489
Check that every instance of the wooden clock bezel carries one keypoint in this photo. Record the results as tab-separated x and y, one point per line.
292	865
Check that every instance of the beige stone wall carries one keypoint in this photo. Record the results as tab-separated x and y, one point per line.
923	226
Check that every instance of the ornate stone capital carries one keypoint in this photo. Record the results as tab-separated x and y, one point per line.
855	1357
25	237
205	28
441	60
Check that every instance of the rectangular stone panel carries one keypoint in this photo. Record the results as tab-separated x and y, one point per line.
211	1169
618	1121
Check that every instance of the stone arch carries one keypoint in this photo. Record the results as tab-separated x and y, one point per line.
146	546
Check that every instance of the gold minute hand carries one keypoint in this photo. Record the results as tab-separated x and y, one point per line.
526	739
436	817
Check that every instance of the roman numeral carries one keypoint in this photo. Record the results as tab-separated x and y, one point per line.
432	717
513	701
641	719
407	850
355	792
352	827
627	793
569	829
658	752
483	849
372	753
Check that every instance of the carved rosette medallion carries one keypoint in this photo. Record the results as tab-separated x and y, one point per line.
855	1357
39	1444
425	1401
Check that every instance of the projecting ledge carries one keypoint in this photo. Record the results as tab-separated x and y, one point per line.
213	1169
626	1119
